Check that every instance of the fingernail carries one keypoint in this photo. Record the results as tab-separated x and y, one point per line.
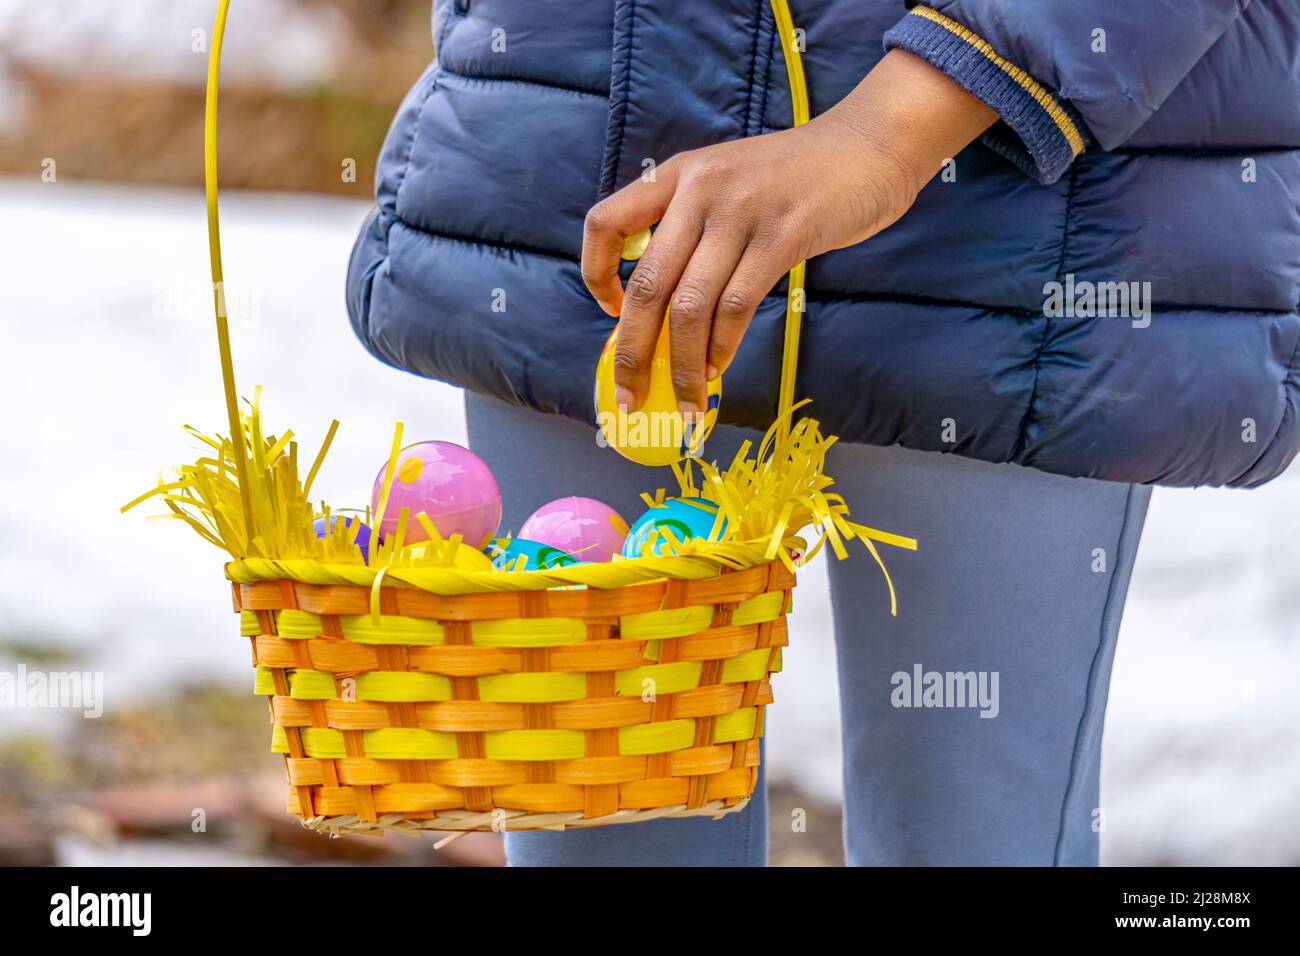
688	409
623	396
710	371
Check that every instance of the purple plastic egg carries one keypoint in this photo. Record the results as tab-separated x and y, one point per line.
447	482
362	539
588	529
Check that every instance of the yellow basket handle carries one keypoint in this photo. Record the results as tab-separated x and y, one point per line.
794	303
795	287
214	254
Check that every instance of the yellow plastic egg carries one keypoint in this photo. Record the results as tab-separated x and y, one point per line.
466	558
656	433
472	559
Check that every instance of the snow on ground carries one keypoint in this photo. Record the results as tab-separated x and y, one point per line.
277	42
77	852
109	347
108	302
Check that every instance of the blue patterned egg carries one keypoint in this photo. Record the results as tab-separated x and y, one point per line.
506	553
683	518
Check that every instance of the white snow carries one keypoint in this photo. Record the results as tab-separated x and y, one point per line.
109	349
278	43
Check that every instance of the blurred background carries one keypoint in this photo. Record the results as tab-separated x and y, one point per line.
105	317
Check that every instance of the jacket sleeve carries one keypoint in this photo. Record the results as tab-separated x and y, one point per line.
1064	74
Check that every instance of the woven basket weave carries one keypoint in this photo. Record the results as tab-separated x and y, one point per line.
413	698
521	709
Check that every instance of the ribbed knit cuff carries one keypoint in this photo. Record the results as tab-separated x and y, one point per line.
1047	133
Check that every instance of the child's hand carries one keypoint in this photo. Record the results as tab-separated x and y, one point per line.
733	218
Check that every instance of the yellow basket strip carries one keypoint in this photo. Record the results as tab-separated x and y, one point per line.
405	743
523	688
401	686
389	629
538	688
657	679
530	632
534	744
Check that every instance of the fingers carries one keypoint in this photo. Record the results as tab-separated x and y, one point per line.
646	300
690	314
611	221
703	266
759	269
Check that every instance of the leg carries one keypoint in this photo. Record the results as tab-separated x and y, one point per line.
537	458
1020	576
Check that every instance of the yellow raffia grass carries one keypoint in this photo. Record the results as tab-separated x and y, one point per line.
767	499
771	497
206	496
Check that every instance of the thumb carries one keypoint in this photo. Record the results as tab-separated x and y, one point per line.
612	221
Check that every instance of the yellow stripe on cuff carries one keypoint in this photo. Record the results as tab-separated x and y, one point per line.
1027	82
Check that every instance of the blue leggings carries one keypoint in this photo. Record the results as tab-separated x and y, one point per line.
972	722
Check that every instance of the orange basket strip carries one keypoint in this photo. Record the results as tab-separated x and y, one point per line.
600	796
470	745
710	674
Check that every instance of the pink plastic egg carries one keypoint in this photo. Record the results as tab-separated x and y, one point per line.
583	527
450	484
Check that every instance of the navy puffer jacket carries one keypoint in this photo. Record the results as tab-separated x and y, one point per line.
1105	286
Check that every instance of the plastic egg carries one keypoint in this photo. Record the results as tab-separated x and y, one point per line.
362	539
506	554
466	558
472	559
684	518
450	484
656	433
583	527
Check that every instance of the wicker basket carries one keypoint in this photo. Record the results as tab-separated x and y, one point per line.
520	709
416	698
